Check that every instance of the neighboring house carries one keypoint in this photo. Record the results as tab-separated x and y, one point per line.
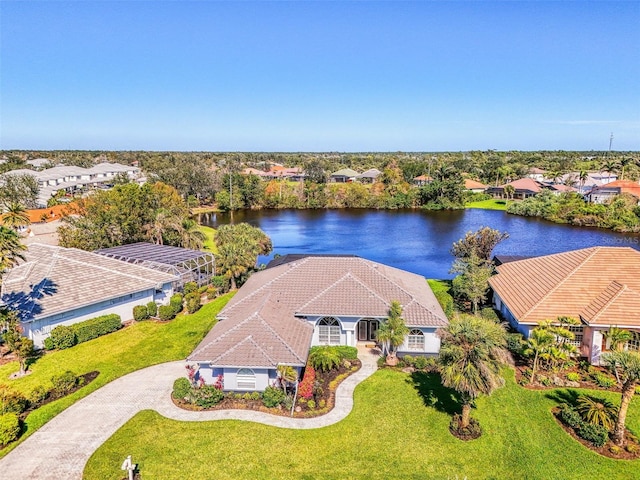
343	176
305	300
422	180
473	186
523	188
593	179
536	174
62	286
607	192
560	188
369	176
39	163
600	286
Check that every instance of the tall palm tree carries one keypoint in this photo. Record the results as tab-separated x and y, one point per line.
15	216
628	365
583	175
608	166
622	163
161	223
472	352
10	249
192	236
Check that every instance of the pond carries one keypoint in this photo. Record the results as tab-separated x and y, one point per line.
414	240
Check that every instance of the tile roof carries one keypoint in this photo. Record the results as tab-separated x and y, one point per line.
569	284
345	172
472	184
620	186
269	307
617	305
525	184
55	280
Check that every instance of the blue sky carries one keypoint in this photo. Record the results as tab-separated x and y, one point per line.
319	76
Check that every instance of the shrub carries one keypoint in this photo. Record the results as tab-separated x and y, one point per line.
207	396
63	337
96	327
64	383
514	342
408	360
311	404
596	411
324	358
211	293
190	287
220	283
272	397
632	448
48	344
9	428
203	289
11	401
346	352
305	389
544	380
193	302
38	395
615	449
255	396
490	314
420	362
603	380
446	302
181	388
152	309
596	434
176	303
140	313
322	403
573	377
166	312
570	416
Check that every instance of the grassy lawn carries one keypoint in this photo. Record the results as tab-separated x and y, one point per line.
398	429
114	355
492	204
439	285
210	242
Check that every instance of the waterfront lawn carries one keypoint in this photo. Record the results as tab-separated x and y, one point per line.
137	346
491	204
210	242
398	429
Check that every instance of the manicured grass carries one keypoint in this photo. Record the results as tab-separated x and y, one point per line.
439	285
398	429
114	355
210	242
492	204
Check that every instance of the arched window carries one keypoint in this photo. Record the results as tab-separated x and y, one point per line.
416	340
246	379
634	343
329	331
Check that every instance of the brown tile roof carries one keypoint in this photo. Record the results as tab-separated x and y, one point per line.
617	305
69	278
267	309
472	184
525	184
624	186
566	284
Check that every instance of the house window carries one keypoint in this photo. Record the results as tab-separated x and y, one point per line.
329	331
416	340
578	331
246	379
634	343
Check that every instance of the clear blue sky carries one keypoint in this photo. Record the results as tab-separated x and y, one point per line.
320	76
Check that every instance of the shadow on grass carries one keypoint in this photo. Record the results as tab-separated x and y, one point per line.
434	394
561	396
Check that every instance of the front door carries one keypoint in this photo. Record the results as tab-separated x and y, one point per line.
363	330
367	329
373	328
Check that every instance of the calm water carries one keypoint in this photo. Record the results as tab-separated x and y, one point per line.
413	240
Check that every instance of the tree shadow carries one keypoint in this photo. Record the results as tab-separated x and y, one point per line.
433	393
568	395
27	302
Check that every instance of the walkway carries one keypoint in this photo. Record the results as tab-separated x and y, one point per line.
62	447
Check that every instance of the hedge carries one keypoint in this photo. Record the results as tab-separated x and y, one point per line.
166	312
9	428
446	302
63	337
140	313
96	327
152	309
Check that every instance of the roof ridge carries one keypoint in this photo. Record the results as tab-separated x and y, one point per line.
223	335
566	277
620	287
266	324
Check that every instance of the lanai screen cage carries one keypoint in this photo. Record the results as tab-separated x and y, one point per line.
189	265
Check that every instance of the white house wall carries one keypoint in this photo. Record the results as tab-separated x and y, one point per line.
431	343
40	329
264	377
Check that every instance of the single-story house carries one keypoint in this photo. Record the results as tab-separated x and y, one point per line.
523	188
369	176
537	174
422	180
588	183
600	286
62	286
607	192
304	300
474	186
343	176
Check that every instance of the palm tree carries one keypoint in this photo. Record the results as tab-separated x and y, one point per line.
15	216
622	163
10	249
583	175
628	365
161	222
472	352
192	236
232	261
538	344
596	411
392	332
608	166
287	374
617	337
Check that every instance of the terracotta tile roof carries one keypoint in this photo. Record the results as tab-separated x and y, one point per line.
472	184
623	186
269	307
565	284
563	188
52	213
525	184
617	305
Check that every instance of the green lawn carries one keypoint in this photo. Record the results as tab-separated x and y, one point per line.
398	429
210	242
492	204
114	355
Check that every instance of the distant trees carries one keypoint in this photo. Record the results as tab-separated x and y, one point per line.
18	189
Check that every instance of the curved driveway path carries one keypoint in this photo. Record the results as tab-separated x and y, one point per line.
61	448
